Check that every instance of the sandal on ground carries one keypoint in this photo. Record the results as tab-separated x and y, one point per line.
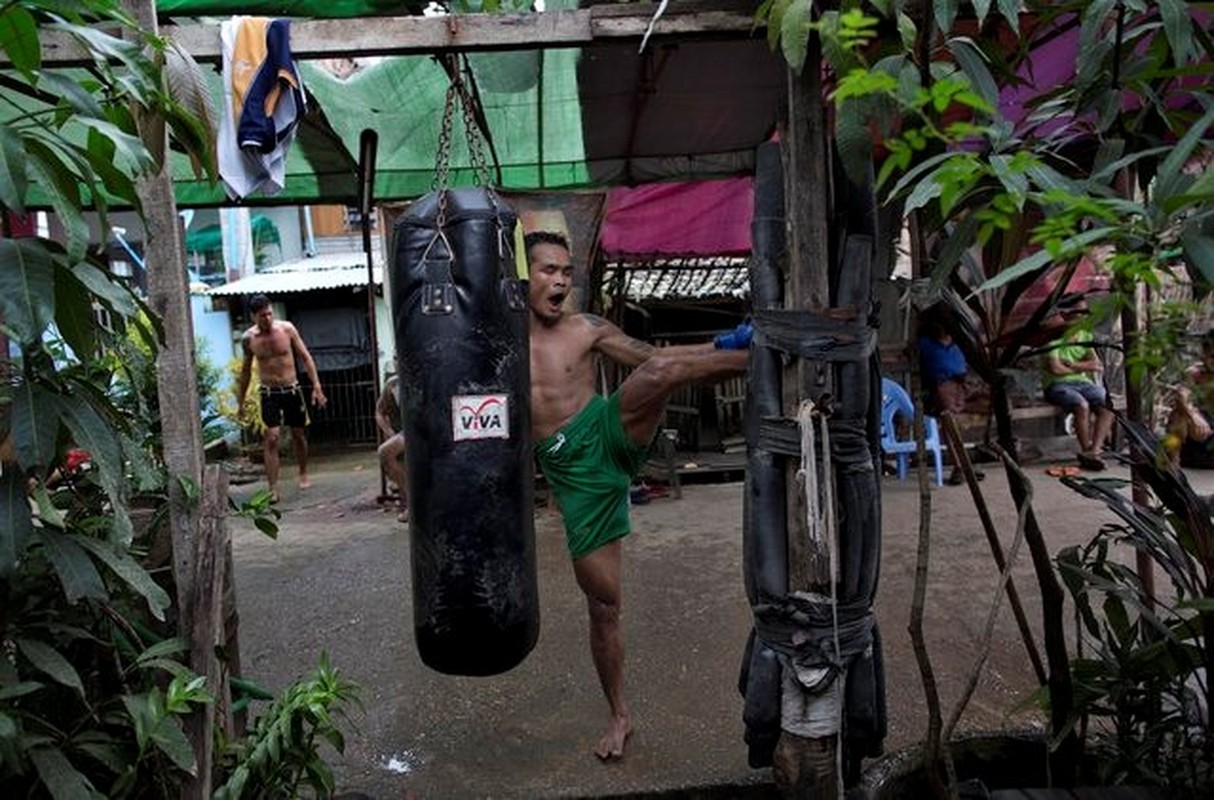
403	515
1090	462
1061	471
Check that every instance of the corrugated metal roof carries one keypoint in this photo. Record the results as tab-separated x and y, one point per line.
328	271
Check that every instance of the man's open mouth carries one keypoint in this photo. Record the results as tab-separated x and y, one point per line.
555	300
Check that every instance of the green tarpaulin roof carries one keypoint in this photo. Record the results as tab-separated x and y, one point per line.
601	116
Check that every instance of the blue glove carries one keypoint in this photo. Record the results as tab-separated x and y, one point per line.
737	339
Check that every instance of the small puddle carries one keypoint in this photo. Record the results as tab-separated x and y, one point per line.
401	763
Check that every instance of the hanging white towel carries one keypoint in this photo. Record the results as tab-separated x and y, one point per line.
263	104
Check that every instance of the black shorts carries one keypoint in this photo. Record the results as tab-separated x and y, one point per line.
283	405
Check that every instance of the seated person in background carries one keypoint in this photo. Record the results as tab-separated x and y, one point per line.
1069	380
943	369
392	451
1189	442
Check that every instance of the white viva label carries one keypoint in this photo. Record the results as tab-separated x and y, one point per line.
480	416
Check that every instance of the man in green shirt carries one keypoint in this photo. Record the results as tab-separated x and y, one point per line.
1070	380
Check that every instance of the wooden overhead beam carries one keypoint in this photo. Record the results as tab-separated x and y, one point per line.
367	36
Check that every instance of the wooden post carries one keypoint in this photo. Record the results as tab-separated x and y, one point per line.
806	767
177	386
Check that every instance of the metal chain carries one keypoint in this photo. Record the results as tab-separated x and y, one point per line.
476	142
442	165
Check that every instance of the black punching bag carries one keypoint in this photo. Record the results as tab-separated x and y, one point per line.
461	317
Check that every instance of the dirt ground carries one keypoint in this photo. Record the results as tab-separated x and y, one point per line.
337	580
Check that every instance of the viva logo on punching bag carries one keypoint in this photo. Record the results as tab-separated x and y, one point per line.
460	315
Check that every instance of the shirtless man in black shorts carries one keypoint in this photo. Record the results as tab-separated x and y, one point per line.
275	344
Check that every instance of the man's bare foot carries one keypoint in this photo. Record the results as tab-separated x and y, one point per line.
615	739
274	498
304	482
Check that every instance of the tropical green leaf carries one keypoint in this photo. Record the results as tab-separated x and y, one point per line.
188	87
49	661
1043	258
35	425
16	524
72	564
19	38
795	27
21	689
74	313
61	183
69	89
170	740
945	12
118	297
61	779
1199	252
130	152
27	287
93	434
1011	12
131	572
48	512
1178	27
13	180
973	64
104	750
1171	175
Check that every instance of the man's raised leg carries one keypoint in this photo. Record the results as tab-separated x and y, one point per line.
644	394
598	575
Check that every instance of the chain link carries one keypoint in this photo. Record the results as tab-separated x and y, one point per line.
472	133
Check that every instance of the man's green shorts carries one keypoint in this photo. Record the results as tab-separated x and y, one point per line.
589	464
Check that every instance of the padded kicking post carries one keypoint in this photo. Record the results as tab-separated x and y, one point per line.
460	318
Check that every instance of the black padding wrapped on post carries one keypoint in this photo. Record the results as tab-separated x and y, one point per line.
460	316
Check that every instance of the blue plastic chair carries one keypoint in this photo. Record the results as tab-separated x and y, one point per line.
896	402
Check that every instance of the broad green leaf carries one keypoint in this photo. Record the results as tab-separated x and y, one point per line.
74	313
19	38
96	436
129	150
170	740
35	425
108	290
20	689
61	779
107	753
1199	252
48	660
1042	258
142	709
1179	29
775	22
27	287
69	89
1171	171
945	12
48	512
72	564
13	180
794	33
16	524
8	728
114	175
981	9
1011	12
973	64
131	572
61	183
168	647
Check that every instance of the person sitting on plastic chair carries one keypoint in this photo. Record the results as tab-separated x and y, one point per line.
943	368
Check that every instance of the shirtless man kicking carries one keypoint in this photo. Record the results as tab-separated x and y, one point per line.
590	447
275	344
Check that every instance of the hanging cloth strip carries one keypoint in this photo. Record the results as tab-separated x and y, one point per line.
263	105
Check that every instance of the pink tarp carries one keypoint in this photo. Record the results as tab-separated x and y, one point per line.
707	218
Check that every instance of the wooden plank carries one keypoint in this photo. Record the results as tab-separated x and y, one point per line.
369	36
